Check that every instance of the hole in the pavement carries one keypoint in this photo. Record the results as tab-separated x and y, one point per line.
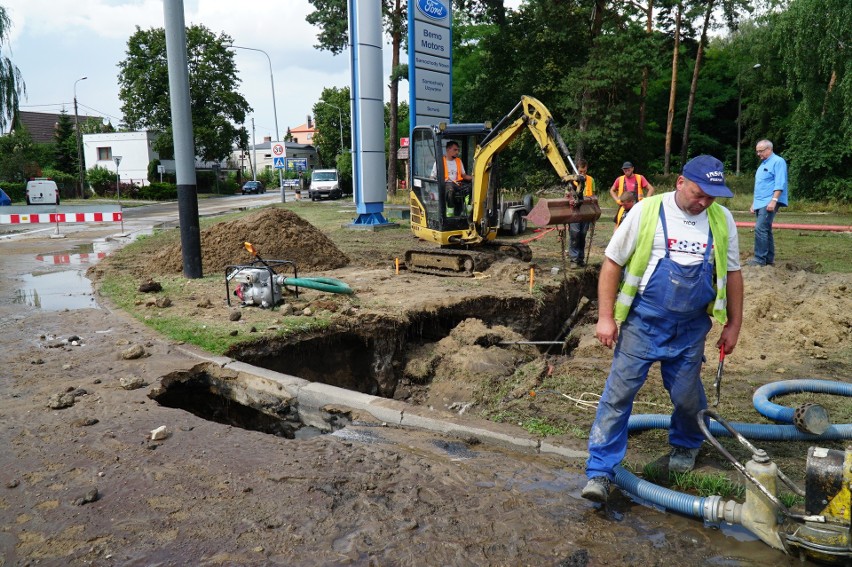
239	400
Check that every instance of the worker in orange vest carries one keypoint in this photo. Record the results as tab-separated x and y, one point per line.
456	180
630	181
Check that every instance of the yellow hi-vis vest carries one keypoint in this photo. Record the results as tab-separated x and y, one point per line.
639	180
458	170
638	262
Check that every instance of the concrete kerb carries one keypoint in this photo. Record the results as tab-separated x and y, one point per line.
312	397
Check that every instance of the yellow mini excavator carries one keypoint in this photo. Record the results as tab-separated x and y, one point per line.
467	241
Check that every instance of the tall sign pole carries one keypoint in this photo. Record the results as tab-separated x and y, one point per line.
369	174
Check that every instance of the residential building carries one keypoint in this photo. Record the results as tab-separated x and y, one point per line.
135	148
304	133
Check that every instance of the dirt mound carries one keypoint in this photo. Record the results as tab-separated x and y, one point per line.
278	234
790	314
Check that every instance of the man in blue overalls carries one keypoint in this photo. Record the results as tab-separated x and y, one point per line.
679	252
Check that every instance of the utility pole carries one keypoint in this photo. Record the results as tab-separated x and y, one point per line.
254	151
80	167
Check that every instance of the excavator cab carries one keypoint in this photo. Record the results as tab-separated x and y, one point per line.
433	215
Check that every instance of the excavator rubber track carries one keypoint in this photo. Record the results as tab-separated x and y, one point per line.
455	262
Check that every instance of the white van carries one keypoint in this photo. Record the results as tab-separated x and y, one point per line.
42	191
325	183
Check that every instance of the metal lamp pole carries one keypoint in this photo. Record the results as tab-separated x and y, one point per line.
79	136
340	121
117	160
274	109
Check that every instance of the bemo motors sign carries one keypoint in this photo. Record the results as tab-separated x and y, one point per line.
430	61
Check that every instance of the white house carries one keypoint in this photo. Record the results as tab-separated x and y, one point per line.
135	148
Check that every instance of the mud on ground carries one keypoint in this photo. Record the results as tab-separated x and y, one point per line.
214	494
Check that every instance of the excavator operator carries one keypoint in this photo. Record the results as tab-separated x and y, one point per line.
457	184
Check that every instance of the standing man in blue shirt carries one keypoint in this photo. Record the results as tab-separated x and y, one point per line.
770	193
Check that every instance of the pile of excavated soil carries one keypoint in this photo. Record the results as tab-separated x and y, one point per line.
277	234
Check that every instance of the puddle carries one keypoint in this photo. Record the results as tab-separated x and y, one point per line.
56	291
82	254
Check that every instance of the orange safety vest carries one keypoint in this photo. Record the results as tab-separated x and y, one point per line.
459	167
619	216
639	180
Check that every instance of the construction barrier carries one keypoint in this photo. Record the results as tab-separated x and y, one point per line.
39	218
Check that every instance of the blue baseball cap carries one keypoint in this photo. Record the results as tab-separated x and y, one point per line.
709	174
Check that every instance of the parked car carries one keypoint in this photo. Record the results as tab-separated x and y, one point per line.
42	191
253	187
5	201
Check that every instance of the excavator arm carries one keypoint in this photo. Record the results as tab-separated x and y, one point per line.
534	116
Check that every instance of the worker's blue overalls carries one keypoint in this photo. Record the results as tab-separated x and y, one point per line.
667	322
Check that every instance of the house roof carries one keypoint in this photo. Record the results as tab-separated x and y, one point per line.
303	128
42	125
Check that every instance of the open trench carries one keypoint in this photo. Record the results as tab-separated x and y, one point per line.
368	357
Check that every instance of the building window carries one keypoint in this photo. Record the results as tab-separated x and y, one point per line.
104	154
310	137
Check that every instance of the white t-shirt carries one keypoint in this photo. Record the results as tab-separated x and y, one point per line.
687	238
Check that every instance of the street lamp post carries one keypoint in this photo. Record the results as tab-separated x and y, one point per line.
117	160
739	118
79	136
274	109
340	121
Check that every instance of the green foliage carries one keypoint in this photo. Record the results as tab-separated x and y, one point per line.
65	145
12	85
20	156
15	191
214	101
158	192
332	107
101	180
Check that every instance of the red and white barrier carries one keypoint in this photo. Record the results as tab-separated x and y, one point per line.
71	259
39	218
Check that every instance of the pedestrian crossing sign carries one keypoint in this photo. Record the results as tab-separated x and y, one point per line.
278	162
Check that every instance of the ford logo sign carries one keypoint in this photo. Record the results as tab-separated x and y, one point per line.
432	9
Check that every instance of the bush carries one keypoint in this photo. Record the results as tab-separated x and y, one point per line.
16	191
101	180
159	192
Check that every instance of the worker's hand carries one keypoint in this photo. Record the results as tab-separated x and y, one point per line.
751	209
771	206
728	339
606	331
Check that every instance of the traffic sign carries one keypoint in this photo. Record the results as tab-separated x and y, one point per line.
278	162
278	149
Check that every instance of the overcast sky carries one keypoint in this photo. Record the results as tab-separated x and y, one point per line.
55	42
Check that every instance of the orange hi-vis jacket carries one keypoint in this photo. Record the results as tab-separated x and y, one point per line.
459	168
639	180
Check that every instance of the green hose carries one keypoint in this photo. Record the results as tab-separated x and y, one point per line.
330	285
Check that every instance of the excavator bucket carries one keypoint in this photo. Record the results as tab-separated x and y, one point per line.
564	211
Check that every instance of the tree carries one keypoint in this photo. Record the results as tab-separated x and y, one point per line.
65	145
332	107
215	104
20	156
814	40
12	86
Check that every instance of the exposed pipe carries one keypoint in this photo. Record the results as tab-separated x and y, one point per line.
822	227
